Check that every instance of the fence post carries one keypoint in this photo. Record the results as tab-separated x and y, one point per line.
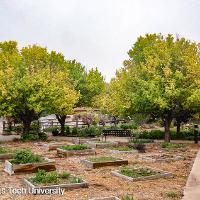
196	139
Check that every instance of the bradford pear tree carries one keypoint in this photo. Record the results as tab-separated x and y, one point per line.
33	81
161	78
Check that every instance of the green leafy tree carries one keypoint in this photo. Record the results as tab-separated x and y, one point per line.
89	84
161	78
33	81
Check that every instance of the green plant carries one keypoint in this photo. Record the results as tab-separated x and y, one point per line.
74	147
136	140
42	177
137	172
55	131
167	145
159	135
75	131
76	180
3	150
130	125
89	132
34	136
42	136
127	198
67	131
29	137
26	156
171	194
102	159
64	175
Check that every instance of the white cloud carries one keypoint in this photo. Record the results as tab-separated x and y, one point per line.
97	33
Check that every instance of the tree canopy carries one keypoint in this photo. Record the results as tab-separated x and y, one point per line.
160	78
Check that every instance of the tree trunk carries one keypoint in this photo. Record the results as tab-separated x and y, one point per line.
168	121
178	127
76	123
61	119
26	126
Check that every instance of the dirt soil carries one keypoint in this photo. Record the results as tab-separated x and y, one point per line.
101	182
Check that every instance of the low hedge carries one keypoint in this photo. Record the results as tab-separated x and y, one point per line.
159	135
77	132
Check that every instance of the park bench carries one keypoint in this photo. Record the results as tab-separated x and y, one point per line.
117	133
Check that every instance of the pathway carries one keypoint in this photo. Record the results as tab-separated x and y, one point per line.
192	189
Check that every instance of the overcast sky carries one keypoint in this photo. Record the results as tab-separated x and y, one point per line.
97	33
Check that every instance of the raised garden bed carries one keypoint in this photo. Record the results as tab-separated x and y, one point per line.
140	174
75	150
97	162
162	158
54	146
123	149
6	153
53	180
173	146
25	161
102	144
85	140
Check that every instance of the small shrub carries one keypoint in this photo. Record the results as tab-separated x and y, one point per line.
171	194
67	131
3	150
64	175
29	137
26	156
130	125
42	136
167	145
90	132
55	131
127	198
34	137
75	131
76	180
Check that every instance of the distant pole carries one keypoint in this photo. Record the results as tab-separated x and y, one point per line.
196	139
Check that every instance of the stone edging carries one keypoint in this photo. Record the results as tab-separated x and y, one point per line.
163	174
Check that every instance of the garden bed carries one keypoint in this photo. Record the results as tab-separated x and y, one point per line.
162	158
46	181
24	161
123	149
85	140
75	150
54	146
101	144
6	153
11	168
97	162
140	174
